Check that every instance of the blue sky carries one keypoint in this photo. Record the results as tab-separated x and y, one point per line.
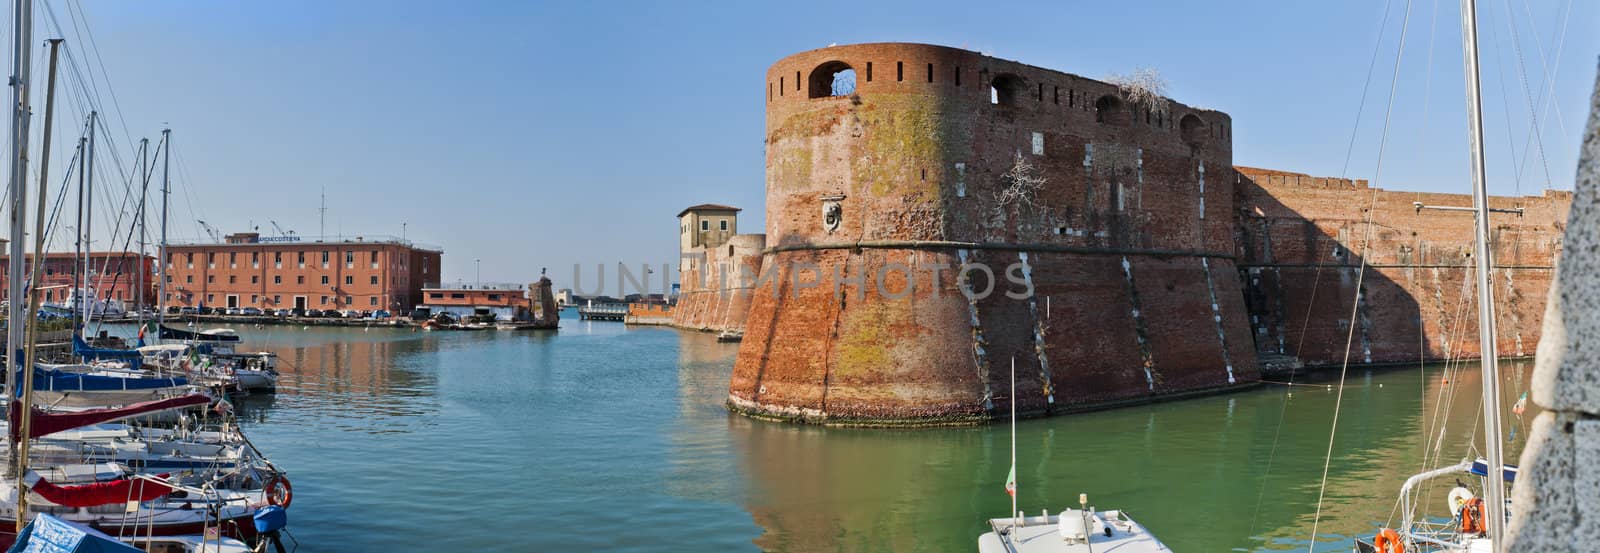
535	135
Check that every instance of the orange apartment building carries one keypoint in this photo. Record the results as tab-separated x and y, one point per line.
248	270
112	276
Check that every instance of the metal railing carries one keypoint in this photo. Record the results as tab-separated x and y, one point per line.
313	239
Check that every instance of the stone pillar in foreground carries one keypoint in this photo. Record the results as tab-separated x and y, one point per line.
1556	498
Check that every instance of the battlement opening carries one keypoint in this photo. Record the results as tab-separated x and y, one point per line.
1192	129
1108	109
1004	89
835	78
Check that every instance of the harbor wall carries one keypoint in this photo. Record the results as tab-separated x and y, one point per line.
715	284
1301	241
877	199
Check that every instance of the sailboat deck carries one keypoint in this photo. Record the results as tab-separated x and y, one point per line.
1041	534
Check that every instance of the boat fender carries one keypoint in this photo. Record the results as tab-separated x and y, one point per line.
1388	541
271	519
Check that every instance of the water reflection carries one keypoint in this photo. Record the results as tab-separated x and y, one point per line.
610	426
1241	471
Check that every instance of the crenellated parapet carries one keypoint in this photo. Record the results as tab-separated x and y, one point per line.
892	167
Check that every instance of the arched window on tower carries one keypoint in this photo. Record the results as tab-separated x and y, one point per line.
1192	129
835	78
1004	89
1108	109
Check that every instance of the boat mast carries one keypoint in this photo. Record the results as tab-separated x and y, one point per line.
20	453
88	227
21	69
144	188
79	262
1494	489
1013	433
161	294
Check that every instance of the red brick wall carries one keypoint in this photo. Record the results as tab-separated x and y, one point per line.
1123	226
377	275
1300	243
714	292
112	275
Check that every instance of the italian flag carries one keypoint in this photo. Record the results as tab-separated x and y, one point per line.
1011	482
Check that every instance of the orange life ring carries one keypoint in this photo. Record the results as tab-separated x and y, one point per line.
279	492
1388	541
1473	516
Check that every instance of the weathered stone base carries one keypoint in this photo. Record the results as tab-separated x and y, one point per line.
953	416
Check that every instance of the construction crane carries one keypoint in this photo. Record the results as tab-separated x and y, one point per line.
210	231
280	230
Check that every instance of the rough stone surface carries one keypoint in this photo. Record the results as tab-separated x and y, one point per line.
1567	375
1158	269
715	283
1557	494
1126	244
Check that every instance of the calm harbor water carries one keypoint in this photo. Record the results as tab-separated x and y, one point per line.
606	437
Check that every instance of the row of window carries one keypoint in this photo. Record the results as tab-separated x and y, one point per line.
276	279
837	78
277	259
705	225
233	257
458	295
277	299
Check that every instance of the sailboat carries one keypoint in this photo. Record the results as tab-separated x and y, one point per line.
1084	529
1477	524
207	502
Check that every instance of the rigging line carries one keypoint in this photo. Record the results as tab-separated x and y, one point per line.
1442	413
1427	97
1316	280
185	182
1377	46
90	86
1522	77
117	277
56	211
1361	271
94	48
1552	68
115	222
1437	421
1288	392
1422	150
1505	103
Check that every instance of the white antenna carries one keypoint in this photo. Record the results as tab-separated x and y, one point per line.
322	219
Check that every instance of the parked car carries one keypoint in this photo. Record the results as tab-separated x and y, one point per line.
350	314
233	311
381	314
283	313
313	313
251	311
173	310
188	311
